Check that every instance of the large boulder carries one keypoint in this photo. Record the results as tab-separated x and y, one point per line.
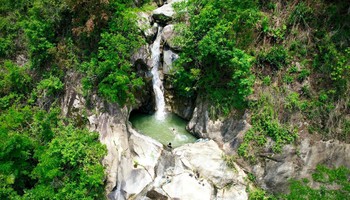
146	26
137	171
198	171
227	132
185	186
111	124
165	13
169	58
168	35
206	158
142	58
151	33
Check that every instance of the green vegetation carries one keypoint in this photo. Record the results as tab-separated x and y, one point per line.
287	63
265	124
42	154
212	61
303	72
110	71
334	184
41	157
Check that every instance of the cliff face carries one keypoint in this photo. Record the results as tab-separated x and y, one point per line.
138	167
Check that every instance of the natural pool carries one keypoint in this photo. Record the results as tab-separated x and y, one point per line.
170	129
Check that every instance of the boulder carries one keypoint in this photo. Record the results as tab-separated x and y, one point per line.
151	33
228	131
234	192
165	13
142	57
111	124
184	186
143	20
205	158
167	36
144	23
147	151
168	58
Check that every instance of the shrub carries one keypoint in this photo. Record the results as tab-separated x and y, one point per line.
267	80
276	57
302	14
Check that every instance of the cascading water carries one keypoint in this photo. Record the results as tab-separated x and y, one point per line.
162	126
157	83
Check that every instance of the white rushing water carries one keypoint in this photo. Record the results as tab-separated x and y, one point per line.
157	83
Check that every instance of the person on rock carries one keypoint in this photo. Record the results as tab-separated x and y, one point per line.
169	145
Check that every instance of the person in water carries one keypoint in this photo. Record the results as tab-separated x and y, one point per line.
169	145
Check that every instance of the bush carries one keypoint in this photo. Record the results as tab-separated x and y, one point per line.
110	72
265	124
212	47
276	57
14	79
302	14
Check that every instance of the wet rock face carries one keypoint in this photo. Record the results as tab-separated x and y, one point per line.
169	54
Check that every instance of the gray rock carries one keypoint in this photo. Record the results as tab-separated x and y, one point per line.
144	23
143	20
167	36
228	132
165	13
206	159
151	33
169	58
111	125
159	2
299	162
234	192
142	57
183	186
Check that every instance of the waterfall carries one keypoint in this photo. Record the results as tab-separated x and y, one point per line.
157	83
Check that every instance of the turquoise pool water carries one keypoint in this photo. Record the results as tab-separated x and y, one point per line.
171	129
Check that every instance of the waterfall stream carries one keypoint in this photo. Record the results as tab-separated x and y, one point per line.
157	83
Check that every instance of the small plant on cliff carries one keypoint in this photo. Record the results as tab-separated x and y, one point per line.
265	125
334	184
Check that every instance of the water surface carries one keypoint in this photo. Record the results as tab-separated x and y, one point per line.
170	129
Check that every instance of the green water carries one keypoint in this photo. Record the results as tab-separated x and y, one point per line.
171	129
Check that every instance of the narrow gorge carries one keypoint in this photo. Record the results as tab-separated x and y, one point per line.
142	168
175	100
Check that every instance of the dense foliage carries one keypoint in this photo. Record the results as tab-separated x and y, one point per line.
110	70
212	61
295	54
42	155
